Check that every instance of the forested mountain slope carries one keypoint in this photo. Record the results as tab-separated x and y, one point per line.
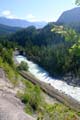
53	47
40	37
4	29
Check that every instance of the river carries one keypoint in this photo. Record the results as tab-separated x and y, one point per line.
42	75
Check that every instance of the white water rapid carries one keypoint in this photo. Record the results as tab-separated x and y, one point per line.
42	75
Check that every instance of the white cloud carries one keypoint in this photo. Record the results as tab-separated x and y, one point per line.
31	18
8	14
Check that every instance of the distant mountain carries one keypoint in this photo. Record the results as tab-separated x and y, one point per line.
70	18
20	23
4	29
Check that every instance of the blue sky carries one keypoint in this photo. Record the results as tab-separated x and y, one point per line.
35	10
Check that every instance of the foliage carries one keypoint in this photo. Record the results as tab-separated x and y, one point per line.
34	103
6	60
73	50
32	98
58	53
23	66
4	29
58	112
77	2
31	36
7	56
55	48
10	72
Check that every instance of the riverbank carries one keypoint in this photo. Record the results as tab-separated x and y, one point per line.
43	76
62	97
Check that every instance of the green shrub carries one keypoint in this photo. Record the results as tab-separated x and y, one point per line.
23	66
34	103
11	74
32	97
59	112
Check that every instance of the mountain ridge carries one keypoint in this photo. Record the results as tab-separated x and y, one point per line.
4	29
21	23
70	18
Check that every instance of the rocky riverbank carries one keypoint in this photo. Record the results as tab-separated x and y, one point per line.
71	79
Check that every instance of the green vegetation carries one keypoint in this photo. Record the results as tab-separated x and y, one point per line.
23	66
4	29
59	112
6	60
52	48
11	73
55	48
35	104
31	98
77	2
73	50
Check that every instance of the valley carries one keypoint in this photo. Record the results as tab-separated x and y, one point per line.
40	68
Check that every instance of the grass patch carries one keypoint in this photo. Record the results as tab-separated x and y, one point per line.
31	98
57	112
35	103
11	72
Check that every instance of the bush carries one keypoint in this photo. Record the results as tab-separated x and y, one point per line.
32	97
23	66
11	73
59	112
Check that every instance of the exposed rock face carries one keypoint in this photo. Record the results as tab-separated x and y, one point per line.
70	18
71	79
11	107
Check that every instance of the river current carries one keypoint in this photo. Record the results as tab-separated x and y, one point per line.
42	75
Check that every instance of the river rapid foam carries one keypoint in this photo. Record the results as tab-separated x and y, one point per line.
42	75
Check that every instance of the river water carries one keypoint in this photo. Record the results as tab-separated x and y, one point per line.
42	75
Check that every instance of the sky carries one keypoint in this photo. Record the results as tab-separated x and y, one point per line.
35	10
